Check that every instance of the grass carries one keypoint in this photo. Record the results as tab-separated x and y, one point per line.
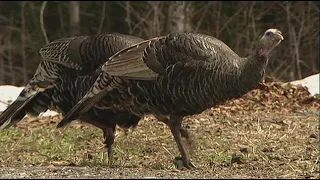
279	145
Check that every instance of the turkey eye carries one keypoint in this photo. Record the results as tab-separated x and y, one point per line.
269	33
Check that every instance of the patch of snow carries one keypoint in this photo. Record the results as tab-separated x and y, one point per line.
9	93
310	82
48	113
2	107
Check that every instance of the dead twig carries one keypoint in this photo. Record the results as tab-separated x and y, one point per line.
230	19
44	3
103	16
128	16
61	18
6	103
202	17
23	27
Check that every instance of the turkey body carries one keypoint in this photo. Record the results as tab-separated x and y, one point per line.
85	53
174	76
74	56
66	93
69	68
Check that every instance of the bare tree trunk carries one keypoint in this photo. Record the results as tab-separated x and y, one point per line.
189	10
74	14
61	19
10	59
128	16
179	16
24	59
2	69
44	3
103	14
155	24
176	17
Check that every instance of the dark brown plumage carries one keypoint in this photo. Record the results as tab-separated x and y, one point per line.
174	76
65	94
74	56
69	68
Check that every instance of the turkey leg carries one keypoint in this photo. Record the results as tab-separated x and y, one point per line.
175	126
108	134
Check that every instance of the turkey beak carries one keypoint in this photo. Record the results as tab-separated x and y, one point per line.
279	35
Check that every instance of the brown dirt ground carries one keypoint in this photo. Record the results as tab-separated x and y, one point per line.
271	132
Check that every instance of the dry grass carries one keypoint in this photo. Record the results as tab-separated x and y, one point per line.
278	145
282	143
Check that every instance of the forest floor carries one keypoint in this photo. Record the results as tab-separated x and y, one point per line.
271	132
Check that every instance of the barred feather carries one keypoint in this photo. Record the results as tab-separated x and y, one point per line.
193	72
74	56
174	76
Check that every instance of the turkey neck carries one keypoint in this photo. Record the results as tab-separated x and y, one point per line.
237	77
252	70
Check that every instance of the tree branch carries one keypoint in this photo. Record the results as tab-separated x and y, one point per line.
202	17
6	103
128	16
41	21
103	16
23	27
230	19
61	19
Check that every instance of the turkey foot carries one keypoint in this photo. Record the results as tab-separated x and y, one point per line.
180	163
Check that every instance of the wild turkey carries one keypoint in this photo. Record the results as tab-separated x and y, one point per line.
80	55
174	76
65	94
